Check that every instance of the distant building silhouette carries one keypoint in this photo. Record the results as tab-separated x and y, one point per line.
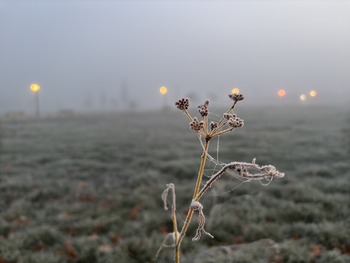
124	94
103	100
88	101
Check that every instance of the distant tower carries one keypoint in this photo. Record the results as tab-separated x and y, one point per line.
113	102
88	101
124	94
103	100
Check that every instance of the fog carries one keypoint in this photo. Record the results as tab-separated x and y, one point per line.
113	55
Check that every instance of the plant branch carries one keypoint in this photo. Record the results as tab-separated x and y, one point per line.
188	115
266	171
222	132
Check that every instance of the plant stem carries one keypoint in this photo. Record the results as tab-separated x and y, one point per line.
191	210
173	215
182	234
201	169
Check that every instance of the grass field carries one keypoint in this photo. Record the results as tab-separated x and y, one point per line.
87	188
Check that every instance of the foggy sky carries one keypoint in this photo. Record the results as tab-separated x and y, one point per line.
95	54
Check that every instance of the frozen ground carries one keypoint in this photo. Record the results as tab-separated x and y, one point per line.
87	188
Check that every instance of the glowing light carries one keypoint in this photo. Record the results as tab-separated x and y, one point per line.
35	87
235	91
163	90
313	93
281	93
302	97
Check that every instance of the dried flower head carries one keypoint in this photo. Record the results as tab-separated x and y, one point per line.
228	116
235	122
241	170
236	97
196	125
213	125
203	109
183	104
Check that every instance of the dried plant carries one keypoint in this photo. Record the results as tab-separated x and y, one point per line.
247	171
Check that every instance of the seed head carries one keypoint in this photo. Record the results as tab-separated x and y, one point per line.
183	104
203	109
213	125
235	122
196	125
236	97
241	170
228	116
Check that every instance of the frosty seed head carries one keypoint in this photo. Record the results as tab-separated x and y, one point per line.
183	104
241	170
236	97
213	125
203	109
228	116
196	125
235	122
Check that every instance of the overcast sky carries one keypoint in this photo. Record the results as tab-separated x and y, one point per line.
97	54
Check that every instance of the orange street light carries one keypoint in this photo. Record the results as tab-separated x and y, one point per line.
281	93
313	93
163	90
35	88
235	91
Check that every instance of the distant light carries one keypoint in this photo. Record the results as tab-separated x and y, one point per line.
302	97
313	93
281	93
235	91
35	87
163	90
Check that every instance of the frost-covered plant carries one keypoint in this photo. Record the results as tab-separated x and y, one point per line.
206	131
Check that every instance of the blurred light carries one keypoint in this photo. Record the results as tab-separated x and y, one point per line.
302	97
35	87
313	93
235	91
281	93
163	90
